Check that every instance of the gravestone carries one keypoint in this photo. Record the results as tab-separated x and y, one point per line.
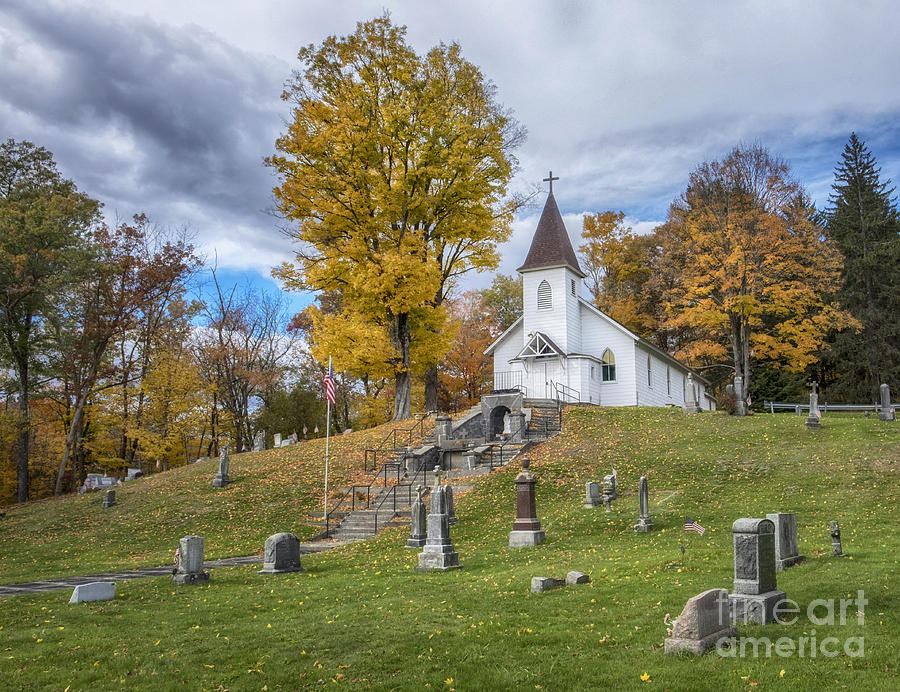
259	442
591	495
575	577
442	428
610	490
282	554
189	568
691	404
541	584
740	404
836	548
451	508
94	591
644	523
786	551
886	411
755	591
110	499
221	479
418	529
276	439
526	528
517	425
813	421
704	621
438	553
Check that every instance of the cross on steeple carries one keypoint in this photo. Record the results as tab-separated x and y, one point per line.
550	180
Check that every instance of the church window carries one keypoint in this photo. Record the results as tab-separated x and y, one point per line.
668	381
573	287
608	367
649	373
593	375
544	296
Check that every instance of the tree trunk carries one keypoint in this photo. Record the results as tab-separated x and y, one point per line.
400	338
402	391
71	440
24	423
431	389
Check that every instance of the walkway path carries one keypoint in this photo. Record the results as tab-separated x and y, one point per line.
72	582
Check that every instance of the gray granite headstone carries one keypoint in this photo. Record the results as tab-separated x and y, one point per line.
282	554
704	621
740	404
836	548
610	491
591	495
259	442
418	531
814	419
644	522
886	411
110	499
575	577
541	584
189	568
438	553
786	550
221	479
94	591
755	590
451	508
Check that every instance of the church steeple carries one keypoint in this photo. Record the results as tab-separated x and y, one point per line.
550	246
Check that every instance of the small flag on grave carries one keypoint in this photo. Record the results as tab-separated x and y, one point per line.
691	525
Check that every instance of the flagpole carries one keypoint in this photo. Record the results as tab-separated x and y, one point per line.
327	436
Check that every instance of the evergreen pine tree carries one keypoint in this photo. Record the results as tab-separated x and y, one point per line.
863	222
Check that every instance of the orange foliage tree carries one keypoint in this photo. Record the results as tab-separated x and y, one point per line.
465	372
757	274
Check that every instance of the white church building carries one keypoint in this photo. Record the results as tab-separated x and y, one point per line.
562	347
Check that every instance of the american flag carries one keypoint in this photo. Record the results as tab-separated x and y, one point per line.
329	385
691	525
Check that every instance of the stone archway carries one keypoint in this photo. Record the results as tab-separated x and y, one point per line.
499	416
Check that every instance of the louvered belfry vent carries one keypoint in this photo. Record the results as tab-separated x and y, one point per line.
544	296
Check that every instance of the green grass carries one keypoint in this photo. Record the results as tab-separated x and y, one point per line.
269	492
360	616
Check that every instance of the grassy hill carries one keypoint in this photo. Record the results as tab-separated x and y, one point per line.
360	616
269	492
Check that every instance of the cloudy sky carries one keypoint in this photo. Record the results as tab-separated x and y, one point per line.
170	106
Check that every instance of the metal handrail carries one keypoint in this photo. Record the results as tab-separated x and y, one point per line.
417	429
423	469
567	391
383	472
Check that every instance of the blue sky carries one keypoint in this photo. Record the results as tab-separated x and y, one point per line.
169	107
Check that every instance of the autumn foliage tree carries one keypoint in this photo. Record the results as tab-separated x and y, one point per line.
44	221
757	276
465	371
394	169
615	260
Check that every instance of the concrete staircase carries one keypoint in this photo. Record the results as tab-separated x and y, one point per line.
391	505
544	421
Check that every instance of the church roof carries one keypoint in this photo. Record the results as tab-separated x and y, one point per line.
550	246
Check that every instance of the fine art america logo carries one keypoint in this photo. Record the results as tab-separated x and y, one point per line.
820	612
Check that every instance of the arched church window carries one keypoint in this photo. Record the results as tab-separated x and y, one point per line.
608	366
544	296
